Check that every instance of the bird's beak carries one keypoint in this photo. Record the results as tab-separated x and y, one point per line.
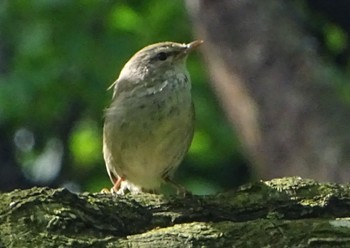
193	45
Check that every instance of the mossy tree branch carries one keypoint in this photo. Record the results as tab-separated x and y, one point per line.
285	212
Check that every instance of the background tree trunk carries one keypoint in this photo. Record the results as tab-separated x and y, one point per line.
274	88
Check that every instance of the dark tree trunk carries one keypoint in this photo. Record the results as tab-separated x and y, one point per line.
274	88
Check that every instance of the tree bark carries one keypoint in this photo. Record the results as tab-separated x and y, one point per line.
274	88
287	212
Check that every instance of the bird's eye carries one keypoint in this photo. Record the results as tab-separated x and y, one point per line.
162	56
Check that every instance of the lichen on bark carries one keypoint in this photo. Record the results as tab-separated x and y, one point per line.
285	212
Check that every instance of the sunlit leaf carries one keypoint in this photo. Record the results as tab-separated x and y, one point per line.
336	39
85	143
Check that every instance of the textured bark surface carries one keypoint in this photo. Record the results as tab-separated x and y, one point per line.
274	88
287	212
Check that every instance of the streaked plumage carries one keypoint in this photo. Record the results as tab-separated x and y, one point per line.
149	124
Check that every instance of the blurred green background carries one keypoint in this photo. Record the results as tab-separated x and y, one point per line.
57	58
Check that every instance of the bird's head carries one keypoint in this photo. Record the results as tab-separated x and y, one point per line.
157	59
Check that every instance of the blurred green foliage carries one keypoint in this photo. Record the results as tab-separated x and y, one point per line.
57	59
336	39
329	23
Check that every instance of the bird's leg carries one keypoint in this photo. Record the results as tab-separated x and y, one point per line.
180	190
117	184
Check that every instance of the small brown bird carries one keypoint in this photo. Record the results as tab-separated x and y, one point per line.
149	125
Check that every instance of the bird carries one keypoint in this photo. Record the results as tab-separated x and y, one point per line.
149	125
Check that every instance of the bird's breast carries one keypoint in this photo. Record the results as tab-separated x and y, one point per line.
153	99
149	133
